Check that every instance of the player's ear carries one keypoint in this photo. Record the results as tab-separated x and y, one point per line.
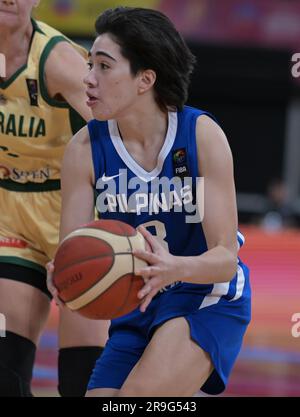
36	3
147	80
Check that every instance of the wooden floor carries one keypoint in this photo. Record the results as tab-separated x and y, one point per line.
269	363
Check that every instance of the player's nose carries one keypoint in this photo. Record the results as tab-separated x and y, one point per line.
90	79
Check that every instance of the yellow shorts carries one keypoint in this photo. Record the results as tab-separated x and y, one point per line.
29	227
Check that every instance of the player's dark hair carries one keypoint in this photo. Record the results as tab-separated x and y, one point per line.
149	40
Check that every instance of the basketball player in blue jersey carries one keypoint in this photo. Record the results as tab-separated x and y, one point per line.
145	153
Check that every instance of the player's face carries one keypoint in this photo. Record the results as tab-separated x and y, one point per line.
15	14
111	88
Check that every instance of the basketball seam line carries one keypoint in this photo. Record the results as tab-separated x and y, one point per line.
129	289
113	233
100	295
108	231
82	230
88	259
128	292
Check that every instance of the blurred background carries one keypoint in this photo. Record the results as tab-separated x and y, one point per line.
248	76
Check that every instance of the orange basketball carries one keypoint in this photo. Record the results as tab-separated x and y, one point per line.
94	269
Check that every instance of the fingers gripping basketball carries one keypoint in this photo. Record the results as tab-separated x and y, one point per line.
94	269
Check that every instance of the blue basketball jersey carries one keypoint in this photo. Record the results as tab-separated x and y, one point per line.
163	200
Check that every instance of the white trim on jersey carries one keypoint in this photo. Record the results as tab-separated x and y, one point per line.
130	162
239	284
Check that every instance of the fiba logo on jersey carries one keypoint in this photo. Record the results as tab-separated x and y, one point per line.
296	67
158	195
2	325
179	161
296	327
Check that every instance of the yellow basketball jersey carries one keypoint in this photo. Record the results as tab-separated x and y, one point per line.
34	128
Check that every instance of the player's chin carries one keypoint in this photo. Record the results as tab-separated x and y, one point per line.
8	21
101	116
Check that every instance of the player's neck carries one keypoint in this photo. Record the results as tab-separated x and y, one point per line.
144	125
15	43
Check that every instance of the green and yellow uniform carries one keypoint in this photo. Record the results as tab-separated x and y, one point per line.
34	130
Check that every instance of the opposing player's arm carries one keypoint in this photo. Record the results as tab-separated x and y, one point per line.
219	224
65	69
77	184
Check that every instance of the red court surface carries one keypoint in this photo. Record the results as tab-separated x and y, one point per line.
269	363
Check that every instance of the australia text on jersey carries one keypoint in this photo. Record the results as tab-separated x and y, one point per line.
22	127
118	194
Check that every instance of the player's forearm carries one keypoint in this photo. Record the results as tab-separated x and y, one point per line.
216	265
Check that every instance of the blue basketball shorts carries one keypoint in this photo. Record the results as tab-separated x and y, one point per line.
218	316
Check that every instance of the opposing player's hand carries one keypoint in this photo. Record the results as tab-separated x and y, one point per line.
50	285
163	269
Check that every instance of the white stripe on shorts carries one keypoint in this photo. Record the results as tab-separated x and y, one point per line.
240	237
219	289
239	284
222	288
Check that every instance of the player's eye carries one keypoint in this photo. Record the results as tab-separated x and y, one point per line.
103	66
89	65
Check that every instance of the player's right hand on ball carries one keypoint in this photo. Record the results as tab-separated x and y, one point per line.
50	285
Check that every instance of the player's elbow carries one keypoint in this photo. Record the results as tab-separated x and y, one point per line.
230	266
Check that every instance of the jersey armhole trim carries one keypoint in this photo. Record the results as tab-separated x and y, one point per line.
77	122
94	149
204	113
44	92
36	26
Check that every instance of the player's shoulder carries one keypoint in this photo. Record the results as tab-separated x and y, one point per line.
81	138
64	70
77	161
62	52
208	131
213	150
79	144
77	154
55	36
204	119
63	55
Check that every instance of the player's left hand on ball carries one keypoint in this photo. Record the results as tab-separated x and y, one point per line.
50	285
163	268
